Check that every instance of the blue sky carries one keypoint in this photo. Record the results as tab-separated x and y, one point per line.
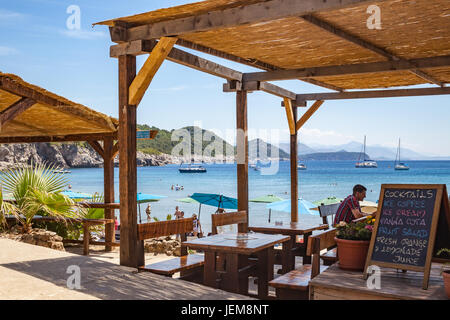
37	45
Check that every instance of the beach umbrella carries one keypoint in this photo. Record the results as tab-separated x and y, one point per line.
270	198
328	200
76	195
304	206
214	200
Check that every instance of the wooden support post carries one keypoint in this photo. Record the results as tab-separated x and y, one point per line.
294	170
108	181
242	155
131	250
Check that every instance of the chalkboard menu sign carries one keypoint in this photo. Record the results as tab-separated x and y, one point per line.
405	228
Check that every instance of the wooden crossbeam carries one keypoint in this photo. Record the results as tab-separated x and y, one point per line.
308	114
339	70
56	138
367	45
14	110
373	94
97	147
149	69
290	115
246	14
233	86
18	89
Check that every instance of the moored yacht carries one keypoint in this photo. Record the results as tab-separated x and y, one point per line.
365	163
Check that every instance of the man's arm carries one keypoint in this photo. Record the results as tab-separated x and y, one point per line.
357	213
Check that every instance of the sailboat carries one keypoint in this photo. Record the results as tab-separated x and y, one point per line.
399	165
366	163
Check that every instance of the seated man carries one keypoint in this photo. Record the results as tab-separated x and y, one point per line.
349	208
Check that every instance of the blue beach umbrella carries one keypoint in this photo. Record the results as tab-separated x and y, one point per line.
215	200
76	195
304	206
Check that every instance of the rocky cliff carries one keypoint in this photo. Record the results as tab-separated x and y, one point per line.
72	155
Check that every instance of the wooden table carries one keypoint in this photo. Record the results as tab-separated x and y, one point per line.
337	284
233	274
292	229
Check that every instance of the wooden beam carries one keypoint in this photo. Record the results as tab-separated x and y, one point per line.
14	110
245	14
138	47
180	57
18	89
131	250
275	90
108	189
338	70
57	138
249	62
289	115
233	86
367	45
149	69
242	155
294	170
373	94
97	147
308	114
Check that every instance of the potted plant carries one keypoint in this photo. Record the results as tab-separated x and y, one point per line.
353	243
445	273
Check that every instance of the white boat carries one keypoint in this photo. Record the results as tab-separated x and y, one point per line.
192	168
399	165
301	166
60	171
365	163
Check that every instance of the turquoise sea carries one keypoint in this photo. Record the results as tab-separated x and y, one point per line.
320	180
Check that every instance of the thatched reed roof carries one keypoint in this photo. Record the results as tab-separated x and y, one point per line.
27	110
409	30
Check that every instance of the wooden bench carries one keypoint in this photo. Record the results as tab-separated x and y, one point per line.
228	218
294	285
189	266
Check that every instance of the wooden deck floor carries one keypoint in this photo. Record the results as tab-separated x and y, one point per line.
34	272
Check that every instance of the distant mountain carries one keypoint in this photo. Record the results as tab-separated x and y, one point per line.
331	156
376	152
302	148
260	149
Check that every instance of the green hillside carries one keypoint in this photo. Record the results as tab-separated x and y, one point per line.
163	143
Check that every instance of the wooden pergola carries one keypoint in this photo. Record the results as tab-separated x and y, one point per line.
31	114
325	43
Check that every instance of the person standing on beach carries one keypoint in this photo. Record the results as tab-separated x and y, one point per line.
349	209
178	214
148	211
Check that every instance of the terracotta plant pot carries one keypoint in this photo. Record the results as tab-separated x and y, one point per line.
446	276
352	254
